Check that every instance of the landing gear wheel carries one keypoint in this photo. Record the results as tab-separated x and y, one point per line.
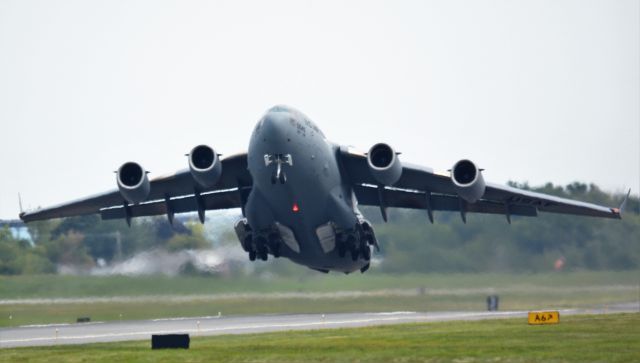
366	253
283	178
341	244
261	248
262	252
355	253
351	243
252	255
274	178
246	244
276	250
342	249
274	244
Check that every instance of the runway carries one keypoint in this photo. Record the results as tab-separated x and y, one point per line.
39	335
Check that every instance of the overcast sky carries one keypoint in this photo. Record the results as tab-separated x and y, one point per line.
532	91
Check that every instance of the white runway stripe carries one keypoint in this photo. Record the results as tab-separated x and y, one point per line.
214	325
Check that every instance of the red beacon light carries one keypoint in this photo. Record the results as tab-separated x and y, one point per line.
295	208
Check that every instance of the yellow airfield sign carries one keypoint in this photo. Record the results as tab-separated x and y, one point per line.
544	317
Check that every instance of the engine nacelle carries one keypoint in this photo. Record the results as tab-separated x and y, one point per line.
384	165
205	166
468	180
133	182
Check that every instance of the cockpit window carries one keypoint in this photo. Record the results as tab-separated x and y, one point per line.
280	108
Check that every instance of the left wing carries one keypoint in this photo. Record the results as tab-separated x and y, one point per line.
421	188
170	194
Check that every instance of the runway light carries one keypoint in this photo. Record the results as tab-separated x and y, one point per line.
295	208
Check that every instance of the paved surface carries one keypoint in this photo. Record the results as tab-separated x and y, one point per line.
36	335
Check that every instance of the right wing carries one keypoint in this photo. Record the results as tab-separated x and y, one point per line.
177	193
420	187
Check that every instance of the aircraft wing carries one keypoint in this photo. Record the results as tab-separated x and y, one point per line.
177	193
422	188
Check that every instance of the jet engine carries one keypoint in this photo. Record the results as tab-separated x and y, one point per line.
468	180
133	182
205	166
384	165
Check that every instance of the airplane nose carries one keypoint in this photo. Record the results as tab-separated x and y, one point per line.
275	125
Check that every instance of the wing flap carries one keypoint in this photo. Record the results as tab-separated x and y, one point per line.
226	199
548	203
395	198
89	205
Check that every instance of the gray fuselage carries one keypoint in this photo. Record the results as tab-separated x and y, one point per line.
315	193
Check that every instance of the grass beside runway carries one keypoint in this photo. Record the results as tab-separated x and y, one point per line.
441	292
584	338
62	286
16	315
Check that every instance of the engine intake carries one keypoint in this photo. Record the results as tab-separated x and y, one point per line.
205	166
384	165
133	182
468	180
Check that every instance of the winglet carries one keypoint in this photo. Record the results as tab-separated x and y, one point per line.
623	205
20	203
618	211
22	212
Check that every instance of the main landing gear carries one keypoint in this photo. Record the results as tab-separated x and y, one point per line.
258	245
357	241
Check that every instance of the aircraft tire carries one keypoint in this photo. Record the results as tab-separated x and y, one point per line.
355	253
263	253
246	244
342	249
366	253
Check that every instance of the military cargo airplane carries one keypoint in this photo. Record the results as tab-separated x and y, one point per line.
299	194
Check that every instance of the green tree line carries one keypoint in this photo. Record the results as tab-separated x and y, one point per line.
85	241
